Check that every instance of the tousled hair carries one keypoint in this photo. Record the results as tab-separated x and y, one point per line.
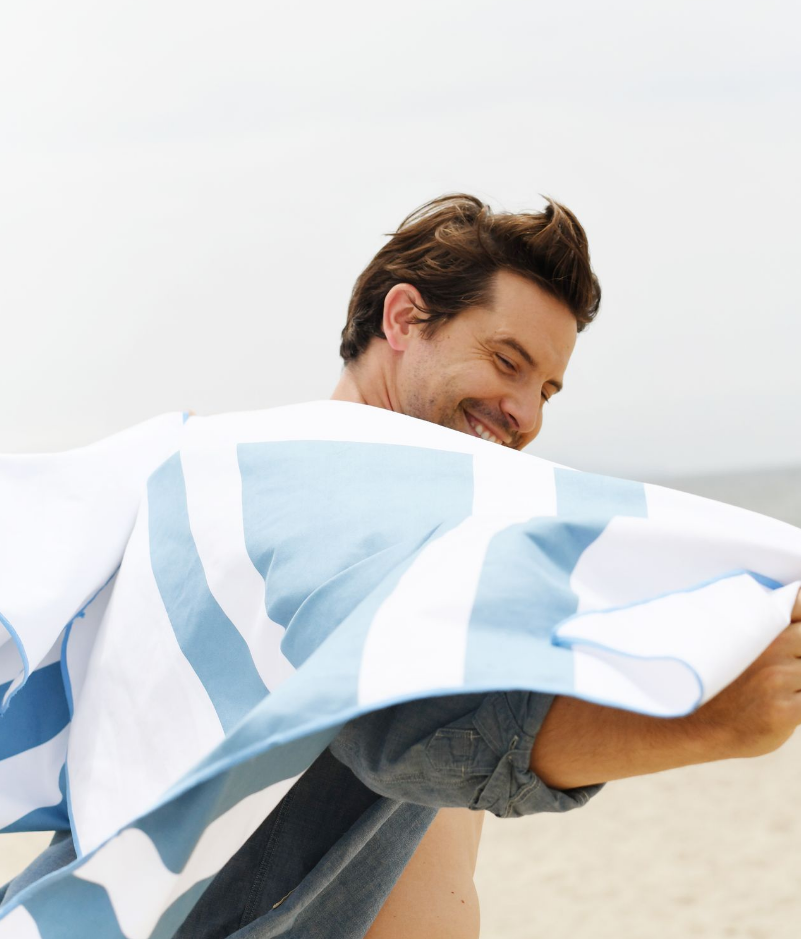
451	248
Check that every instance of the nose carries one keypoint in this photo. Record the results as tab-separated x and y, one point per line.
523	413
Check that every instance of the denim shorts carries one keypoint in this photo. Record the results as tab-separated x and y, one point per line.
323	862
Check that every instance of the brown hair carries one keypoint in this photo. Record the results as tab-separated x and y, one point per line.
450	249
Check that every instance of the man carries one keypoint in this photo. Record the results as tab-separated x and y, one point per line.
466	319
488	366
469	319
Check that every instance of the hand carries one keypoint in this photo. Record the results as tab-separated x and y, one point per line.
759	711
581	743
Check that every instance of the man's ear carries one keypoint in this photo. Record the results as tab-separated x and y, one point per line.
399	310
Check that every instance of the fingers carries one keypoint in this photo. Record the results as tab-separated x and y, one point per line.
788	642
796	614
784	650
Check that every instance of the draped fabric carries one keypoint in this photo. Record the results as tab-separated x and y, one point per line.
191	609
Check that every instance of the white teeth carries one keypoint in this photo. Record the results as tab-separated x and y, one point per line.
482	432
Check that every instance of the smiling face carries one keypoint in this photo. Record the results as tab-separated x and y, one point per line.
487	371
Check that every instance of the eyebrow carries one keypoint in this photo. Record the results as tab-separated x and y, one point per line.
514	344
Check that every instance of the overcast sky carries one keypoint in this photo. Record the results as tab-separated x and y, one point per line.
189	190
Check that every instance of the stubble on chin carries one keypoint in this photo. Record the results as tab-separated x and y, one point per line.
434	405
433	410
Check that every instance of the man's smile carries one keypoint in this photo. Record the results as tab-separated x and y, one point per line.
480	429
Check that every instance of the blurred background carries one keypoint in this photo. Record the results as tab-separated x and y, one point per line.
189	190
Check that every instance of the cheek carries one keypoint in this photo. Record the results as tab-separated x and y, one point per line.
481	379
417	374
540	417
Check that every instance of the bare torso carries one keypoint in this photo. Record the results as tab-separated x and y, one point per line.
435	896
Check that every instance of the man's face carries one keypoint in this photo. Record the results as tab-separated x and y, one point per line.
491	369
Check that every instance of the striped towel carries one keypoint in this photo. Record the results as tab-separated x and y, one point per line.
191	609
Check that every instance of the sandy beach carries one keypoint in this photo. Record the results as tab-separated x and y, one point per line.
708	851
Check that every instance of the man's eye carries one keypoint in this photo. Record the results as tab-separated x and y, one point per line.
506	362
545	397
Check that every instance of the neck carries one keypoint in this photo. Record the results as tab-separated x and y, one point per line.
364	383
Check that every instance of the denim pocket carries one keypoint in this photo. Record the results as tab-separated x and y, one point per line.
459	753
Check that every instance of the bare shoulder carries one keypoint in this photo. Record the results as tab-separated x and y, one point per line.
435	896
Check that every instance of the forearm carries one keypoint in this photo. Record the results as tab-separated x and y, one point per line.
582	744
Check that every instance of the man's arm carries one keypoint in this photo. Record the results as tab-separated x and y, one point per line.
581	743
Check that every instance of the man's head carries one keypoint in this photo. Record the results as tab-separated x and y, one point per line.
467	317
